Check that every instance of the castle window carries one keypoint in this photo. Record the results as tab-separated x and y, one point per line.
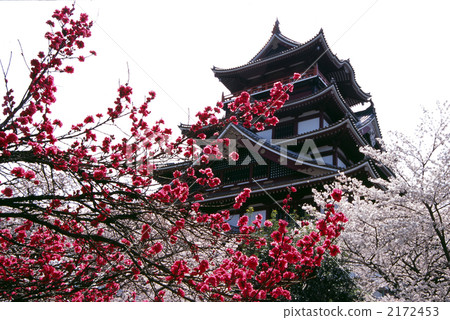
328	159
308	125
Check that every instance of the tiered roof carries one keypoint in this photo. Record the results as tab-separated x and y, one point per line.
281	55
328	91
222	195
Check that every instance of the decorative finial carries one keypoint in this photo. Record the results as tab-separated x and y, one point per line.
276	27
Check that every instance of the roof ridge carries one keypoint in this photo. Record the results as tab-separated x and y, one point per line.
295	45
274	147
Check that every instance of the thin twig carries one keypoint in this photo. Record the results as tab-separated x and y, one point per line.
23	55
5	73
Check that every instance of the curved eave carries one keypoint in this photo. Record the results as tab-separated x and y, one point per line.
342	63
173	166
345	124
257	62
370	122
363	166
371	115
319	39
160	171
360	93
330	91
290	156
275	37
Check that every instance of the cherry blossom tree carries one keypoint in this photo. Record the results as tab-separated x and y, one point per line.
82	218
397	239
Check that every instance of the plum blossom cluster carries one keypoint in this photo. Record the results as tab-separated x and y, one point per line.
242	277
82	218
290	261
241	198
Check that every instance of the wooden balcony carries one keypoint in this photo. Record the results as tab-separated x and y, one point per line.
312	72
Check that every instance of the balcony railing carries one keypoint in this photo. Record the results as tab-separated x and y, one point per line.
312	72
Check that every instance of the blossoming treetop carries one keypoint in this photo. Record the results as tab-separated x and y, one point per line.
81	219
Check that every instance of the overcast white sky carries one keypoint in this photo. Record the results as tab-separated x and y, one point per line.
399	49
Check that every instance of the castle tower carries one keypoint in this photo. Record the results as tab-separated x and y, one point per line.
318	134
